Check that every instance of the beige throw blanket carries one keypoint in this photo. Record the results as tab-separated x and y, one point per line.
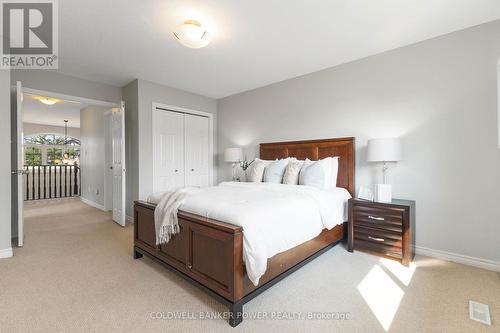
166	222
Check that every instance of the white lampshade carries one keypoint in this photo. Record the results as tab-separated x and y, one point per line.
233	155
384	150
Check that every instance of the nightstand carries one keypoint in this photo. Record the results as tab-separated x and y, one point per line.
384	229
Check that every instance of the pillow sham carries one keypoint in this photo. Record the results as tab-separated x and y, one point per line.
274	171
255	172
292	172
317	173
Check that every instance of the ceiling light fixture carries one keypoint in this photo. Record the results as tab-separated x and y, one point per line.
191	34
48	101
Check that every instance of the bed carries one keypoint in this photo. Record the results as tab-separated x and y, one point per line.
209	253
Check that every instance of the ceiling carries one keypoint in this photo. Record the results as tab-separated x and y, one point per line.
38	113
255	42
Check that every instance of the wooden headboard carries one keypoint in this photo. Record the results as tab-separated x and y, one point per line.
314	150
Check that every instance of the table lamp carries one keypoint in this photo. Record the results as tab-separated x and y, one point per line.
384	150
234	156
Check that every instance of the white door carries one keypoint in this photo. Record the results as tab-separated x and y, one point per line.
118	159
168	150
18	171
196	150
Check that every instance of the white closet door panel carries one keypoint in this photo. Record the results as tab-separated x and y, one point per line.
196	150
168	129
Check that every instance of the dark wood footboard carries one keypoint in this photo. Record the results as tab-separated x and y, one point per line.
209	254
208	251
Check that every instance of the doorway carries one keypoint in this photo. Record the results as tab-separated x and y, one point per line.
60	150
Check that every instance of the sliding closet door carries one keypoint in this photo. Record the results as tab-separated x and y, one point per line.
168	150
196	150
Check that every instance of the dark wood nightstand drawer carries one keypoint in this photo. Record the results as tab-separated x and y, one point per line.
382	241
382	216
381	249
382	228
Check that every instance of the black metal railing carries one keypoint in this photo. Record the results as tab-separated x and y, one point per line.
51	181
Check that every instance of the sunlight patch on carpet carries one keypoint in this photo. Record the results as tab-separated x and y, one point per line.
382	295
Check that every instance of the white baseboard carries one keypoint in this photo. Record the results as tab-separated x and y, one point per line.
129	219
459	258
6	253
92	203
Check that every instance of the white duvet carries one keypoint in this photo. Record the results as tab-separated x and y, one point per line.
274	217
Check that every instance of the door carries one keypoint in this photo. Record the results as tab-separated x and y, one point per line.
118	163
168	150
196	150
17	164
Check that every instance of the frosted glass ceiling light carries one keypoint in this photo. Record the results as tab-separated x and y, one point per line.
48	101
192	35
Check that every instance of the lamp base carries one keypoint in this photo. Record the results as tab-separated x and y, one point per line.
383	193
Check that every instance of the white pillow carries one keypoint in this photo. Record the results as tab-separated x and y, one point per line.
274	171
317	173
335	171
255	171
292	172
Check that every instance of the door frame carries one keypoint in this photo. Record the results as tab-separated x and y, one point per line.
19	162
83	100
210	116
40	92
108	173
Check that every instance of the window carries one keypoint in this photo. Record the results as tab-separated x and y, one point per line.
54	156
51	149
33	156
51	139
73	153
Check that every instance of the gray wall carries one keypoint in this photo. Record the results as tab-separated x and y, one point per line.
68	85
30	128
139	96
5	179
92	161
440	96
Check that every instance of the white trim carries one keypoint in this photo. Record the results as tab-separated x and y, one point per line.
6	253
459	258
129	219
210	117
93	204
82	100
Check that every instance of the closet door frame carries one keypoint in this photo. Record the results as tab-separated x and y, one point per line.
210	116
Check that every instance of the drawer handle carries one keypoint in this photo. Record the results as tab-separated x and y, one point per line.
377	239
376	218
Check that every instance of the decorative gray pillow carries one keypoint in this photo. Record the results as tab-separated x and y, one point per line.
292	172
274	171
255	172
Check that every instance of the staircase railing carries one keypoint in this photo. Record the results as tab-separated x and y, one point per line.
51	181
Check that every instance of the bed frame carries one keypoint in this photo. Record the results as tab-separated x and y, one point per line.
209	253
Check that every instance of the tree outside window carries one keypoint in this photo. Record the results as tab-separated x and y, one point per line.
54	156
33	156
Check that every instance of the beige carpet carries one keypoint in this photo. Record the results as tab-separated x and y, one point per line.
76	274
